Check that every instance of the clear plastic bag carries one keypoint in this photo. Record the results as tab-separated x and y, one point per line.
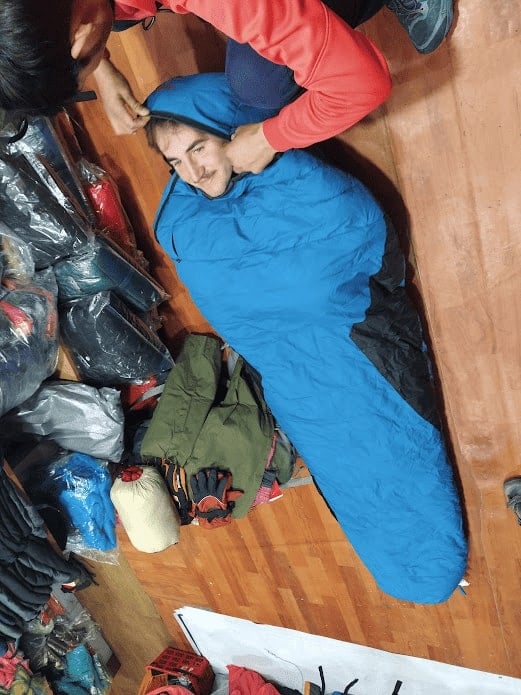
40	140
109	343
17	262
66	651
76	416
99	267
78	486
104	197
28	338
36	216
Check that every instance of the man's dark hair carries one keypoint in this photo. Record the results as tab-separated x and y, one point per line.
37	72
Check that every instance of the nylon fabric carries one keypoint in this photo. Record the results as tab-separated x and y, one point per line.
281	266
198	426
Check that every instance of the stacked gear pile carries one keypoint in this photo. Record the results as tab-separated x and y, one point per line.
106	298
28	336
28	564
214	461
17	677
70	432
62	279
62	645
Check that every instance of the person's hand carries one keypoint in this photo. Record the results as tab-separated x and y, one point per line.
249	150
125	113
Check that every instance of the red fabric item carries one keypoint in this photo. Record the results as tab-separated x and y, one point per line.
9	663
110	214
22	323
266	494
133	395
128	475
170	690
344	74
244	681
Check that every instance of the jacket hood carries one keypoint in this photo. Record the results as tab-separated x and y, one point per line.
203	101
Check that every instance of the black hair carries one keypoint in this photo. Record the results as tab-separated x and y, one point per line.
37	72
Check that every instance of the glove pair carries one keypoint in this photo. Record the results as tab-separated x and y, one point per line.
214	500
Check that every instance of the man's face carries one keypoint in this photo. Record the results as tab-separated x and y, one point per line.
197	157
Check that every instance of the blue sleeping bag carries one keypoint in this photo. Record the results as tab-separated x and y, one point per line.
299	270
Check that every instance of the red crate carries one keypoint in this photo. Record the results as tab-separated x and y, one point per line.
177	662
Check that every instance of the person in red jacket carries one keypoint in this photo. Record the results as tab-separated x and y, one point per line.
49	48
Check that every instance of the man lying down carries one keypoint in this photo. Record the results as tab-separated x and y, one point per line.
300	271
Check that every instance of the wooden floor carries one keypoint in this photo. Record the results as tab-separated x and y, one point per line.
444	157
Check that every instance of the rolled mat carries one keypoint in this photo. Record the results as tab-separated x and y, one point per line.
145	509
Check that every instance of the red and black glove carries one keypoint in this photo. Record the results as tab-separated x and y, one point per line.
213	498
175	478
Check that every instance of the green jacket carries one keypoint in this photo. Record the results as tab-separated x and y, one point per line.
206	419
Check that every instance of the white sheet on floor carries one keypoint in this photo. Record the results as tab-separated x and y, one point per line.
290	658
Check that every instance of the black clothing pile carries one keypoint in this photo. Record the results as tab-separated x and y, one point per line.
29	566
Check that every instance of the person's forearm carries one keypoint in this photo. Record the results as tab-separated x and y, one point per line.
344	74
105	69
336	102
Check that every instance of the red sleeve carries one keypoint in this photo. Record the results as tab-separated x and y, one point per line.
134	9
344	74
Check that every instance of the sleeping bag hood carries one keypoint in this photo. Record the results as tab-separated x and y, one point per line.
205	102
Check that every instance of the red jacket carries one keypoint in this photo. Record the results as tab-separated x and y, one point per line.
344	74
245	681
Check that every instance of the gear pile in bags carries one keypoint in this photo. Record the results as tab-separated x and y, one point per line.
64	283
93	451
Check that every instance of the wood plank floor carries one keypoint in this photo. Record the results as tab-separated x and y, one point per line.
444	157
